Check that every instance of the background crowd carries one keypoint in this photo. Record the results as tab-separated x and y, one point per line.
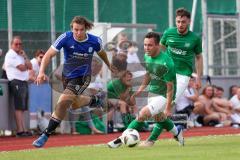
197	108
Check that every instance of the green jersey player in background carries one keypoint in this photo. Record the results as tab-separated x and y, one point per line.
183	46
161	81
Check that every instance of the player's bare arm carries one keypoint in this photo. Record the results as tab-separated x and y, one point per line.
103	55
144	84
45	61
199	70
162	47
170	91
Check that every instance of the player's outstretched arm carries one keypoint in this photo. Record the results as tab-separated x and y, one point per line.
144	84
199	70
45	61
103	55
170	91
162	47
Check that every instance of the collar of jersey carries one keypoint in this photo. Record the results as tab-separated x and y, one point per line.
82	40
183	34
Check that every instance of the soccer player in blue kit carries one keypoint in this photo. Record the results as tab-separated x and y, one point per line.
79	47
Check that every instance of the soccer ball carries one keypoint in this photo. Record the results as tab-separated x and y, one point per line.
130	137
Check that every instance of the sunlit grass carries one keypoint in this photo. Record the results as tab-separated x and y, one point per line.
196	148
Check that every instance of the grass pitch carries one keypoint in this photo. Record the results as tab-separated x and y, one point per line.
196	148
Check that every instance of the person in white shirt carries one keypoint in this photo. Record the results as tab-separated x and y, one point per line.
36	62
17	65
235	101
185	103
190	95
133	54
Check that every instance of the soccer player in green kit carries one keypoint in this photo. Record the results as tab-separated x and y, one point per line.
119	92
161	81
183	46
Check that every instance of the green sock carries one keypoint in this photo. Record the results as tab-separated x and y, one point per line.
168	124
157	130
136	125
125	119
131	117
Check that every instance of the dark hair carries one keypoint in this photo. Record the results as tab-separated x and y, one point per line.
153	35
230	90
39	52
183	12
125	73
219	88
83	21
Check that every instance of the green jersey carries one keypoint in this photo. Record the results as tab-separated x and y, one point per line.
115	88
161	70
182	49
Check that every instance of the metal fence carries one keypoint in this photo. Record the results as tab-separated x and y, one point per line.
38	22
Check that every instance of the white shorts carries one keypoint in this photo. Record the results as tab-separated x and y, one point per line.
182	83
156	104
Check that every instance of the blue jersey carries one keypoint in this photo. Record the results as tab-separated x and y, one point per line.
77	54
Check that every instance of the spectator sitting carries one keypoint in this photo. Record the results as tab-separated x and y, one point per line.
120	63
185	103
232	91
119	92
221	104
36	62
203	107
84	112
235	100
224	106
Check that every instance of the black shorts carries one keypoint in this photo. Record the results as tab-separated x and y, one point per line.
19	91
76	85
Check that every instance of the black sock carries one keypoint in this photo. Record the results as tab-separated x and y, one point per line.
52	125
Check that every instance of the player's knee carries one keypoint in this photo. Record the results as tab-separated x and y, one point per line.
62	105
144	114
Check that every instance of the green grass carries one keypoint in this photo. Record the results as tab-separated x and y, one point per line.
196	148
